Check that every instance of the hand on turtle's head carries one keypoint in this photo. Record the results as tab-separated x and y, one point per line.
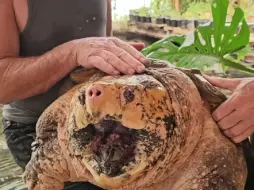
235	116
111	55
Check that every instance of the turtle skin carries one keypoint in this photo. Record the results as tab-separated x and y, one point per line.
145	131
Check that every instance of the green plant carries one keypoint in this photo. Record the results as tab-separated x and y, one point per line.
142	11
246	5
161	8
207	45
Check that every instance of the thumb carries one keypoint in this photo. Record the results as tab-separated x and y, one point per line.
138	45
230	84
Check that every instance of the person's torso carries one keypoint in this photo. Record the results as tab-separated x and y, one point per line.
47	24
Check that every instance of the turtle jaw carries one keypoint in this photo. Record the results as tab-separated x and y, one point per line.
111	152
113	147
89	136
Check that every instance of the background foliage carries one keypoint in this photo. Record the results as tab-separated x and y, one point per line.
192	8
221	43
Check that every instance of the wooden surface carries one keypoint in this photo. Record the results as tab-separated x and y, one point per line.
161	30
155	30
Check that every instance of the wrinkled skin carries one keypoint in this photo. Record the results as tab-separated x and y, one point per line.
166	139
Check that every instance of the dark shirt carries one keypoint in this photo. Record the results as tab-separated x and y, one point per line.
51	23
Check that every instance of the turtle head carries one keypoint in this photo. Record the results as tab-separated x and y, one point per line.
119	127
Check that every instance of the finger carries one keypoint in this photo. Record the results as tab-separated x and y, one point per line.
116	62
230	84
224	109
230	120
129	59
139	46
243	135
238	129
235	102
131	50
102	65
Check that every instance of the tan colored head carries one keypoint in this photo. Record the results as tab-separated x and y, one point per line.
119	127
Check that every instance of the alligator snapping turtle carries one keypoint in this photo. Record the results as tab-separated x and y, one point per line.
147	131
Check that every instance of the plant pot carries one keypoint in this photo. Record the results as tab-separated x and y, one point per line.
178	23
190	24
183	23
168	21
136	18
148	19
173	23
196	24
139	18
202	22
160	20
143	19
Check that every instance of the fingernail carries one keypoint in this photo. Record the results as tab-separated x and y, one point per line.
130	71
140	68
144	60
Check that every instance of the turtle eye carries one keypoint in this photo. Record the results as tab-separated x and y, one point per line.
82	98
128	95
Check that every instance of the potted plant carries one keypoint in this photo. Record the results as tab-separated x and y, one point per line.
197	14
175	19
168	20
143	14
160	20
132	15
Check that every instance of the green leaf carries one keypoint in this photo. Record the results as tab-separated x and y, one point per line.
207	45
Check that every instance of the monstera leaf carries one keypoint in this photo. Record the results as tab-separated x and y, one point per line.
222	42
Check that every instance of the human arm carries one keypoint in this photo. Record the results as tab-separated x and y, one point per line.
235	116
25	77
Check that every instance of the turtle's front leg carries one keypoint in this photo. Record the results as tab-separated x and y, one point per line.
47	169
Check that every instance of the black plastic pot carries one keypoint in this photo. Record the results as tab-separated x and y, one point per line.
184	23
148	19
173	22
142	19
136	18
168	21
196	23
160	20
178	23
139	18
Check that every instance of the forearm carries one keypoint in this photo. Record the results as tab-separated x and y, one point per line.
25	77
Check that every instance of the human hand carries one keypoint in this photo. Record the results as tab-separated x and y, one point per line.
235	116
111	55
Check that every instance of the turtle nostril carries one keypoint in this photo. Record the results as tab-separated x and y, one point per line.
94	92
98	93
